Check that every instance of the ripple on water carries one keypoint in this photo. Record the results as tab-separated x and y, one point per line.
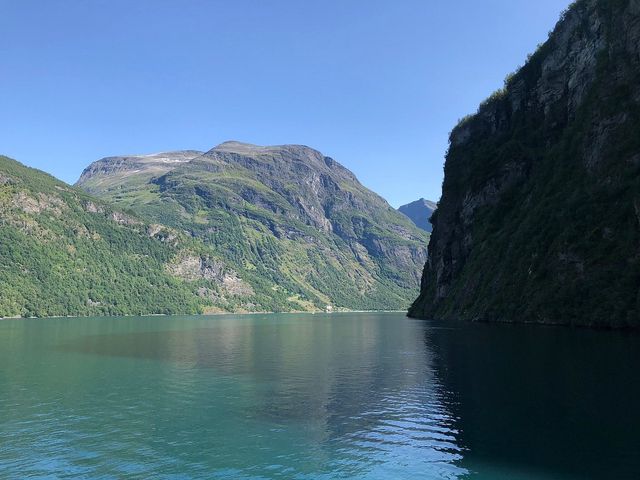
300	397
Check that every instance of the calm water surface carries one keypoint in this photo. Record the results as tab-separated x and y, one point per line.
372	396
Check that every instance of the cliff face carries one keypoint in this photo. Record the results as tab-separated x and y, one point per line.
539	220
296	225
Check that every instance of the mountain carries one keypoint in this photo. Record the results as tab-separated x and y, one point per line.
419	212
539	219
290	221
63	252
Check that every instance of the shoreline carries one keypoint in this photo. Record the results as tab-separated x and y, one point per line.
211	314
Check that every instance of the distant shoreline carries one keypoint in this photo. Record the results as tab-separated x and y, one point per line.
211	314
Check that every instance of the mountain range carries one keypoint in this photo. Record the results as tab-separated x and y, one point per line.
238	228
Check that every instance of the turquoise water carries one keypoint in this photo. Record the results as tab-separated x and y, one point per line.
372	396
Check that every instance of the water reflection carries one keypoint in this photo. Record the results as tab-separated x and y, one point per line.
538	402
260	397
340	396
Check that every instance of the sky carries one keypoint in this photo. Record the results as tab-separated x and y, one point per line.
376	85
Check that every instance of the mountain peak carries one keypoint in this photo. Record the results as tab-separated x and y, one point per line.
285	156
427	203
242	148
419	212
234	144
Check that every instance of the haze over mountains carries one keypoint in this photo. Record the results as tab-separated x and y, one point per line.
539	219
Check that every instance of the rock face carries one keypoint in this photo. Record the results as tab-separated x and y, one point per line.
296	225
539	220
194	268
419	212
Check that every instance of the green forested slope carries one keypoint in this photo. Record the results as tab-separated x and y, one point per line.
65	253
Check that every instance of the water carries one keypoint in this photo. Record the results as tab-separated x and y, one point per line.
372	396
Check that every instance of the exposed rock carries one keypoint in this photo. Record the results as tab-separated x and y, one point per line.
235	286
92	207
6	180
124	219
193	268
163	234
39	203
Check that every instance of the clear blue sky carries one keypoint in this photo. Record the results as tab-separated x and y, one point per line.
377	85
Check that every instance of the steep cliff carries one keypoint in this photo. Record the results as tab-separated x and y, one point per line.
539	219
291	221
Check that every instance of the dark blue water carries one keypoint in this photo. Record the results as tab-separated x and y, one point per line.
374	396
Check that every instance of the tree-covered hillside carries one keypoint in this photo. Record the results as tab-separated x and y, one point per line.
63	252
